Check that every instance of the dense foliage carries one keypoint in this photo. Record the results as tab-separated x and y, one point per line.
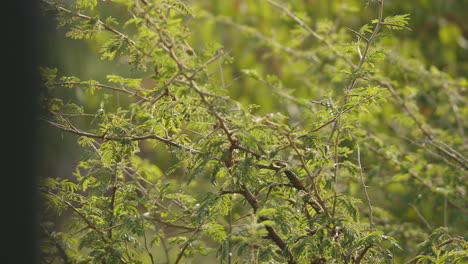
294	139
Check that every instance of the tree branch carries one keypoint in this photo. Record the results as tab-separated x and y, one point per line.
364	186
167	141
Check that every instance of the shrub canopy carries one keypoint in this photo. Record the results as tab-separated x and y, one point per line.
254	132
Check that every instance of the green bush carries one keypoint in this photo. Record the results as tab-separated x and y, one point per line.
290	139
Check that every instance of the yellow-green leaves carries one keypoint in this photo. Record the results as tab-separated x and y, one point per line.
86	4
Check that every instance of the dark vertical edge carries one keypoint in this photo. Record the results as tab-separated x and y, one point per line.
21	45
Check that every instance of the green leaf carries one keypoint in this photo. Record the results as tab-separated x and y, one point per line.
86	4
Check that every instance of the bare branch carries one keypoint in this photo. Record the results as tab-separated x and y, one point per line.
358	34
364	186
136	94
421	216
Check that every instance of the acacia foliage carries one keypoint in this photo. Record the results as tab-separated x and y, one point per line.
244	186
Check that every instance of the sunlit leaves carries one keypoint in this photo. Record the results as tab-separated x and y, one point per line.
85	4
397	22
133	83
114	47
88	29
366	29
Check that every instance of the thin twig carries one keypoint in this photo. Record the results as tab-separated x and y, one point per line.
336	167
146	243
456	113
368	44
189	240
311	31
112	202
166	249
364	186
421	216
438	246
423	182
88	222
167	141
60	248
344	111
172	225
358	34
272	42
136	94
362	254
442	147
